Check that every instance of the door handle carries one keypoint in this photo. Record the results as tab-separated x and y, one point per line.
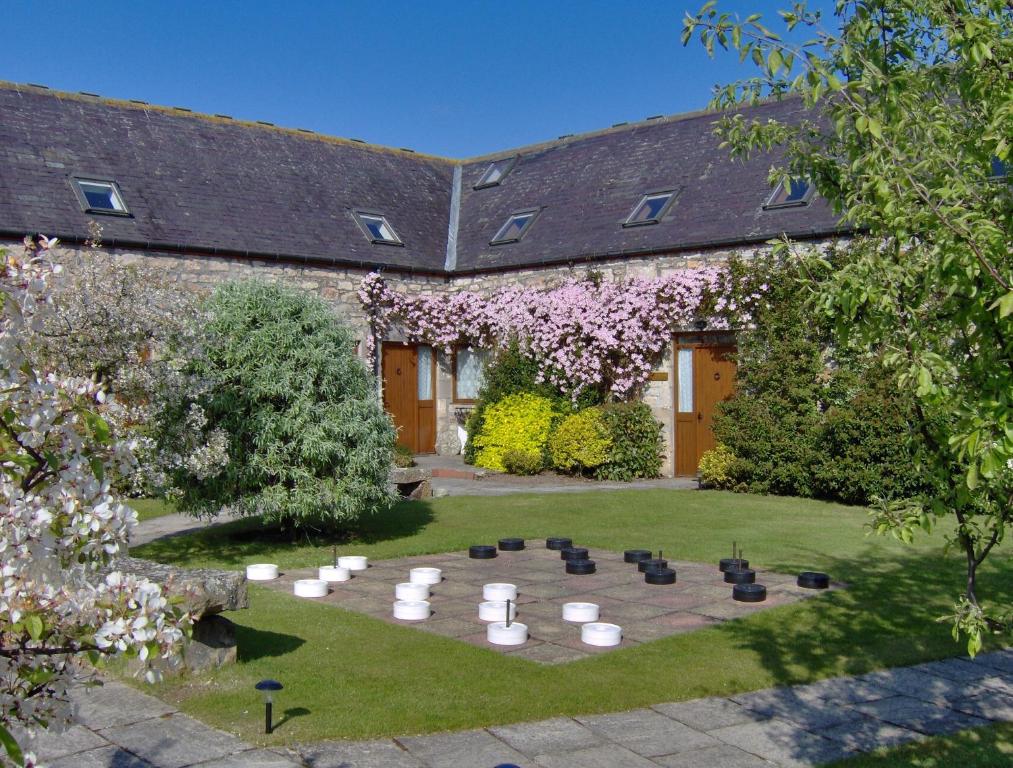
699	416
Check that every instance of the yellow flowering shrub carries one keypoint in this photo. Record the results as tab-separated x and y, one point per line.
519	422
581	441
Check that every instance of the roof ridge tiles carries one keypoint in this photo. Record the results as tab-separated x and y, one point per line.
183	112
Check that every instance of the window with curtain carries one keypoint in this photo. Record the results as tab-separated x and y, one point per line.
425	357
469	366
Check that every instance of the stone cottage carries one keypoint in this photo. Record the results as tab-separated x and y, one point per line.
211	198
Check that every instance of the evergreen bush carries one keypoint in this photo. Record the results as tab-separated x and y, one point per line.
519	422
636	442
717	468
308	443
510	372
580	442
808	419
519	461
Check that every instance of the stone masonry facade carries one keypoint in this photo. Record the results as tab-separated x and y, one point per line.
339	286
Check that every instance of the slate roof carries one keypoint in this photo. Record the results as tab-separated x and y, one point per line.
211	184
214	184
588	186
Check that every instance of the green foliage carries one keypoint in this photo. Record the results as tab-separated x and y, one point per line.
307	440
581	441
716	468
517	422
910	104
510	372
866	447
636	442
403	456
520	461
808	419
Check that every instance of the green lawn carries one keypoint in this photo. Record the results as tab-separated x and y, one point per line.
350	676
149	508
990	747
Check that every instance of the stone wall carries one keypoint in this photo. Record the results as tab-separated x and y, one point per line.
338	286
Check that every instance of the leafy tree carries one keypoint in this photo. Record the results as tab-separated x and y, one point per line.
308	442
909	105
131	330
60	523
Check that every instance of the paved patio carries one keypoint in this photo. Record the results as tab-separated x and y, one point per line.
646	612
803	726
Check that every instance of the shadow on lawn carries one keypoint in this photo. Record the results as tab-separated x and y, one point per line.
237	541
253	644
886	617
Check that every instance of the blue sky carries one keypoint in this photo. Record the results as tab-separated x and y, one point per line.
448	78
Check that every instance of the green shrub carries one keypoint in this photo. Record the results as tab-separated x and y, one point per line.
636	442
517	422
510	372
403	456
716	468
809	419
865	447
581	441
307	440
519	461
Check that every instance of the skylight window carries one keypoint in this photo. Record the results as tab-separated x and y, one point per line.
795	193
650	209
376	227
496	172
98	196
515	228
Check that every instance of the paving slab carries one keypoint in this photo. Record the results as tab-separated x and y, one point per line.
647	732
988	706
466	749
254	758
560	734
842	690
869	733
380	753
913	682
608	756
1001	660
723	756
174	741
788	705
783	743
51	744
708	714
919	715
104	757
113	703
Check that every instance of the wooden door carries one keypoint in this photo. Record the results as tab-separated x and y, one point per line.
705	375
409	384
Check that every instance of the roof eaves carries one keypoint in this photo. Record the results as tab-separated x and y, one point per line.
185	248
593	256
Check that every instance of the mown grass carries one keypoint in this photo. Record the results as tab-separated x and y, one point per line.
351	676
148	509
990	747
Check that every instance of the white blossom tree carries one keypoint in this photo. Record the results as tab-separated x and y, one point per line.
60	523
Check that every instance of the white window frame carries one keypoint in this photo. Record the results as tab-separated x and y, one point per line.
501	239
670	194
360	219
115	196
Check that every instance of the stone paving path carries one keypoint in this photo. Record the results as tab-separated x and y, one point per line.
802	726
